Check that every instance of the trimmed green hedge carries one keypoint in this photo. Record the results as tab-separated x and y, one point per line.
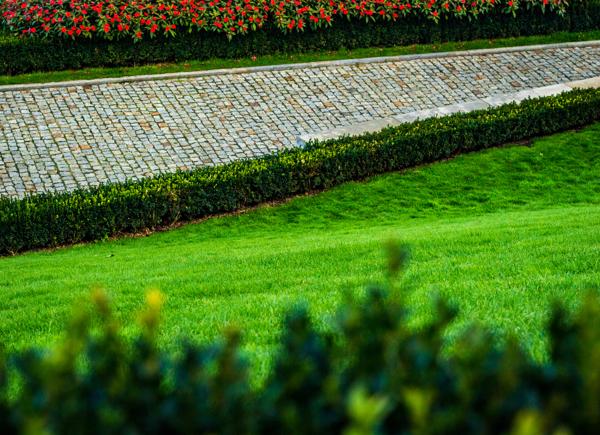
56	219
27	55
369	374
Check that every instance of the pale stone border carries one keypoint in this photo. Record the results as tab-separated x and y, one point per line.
470	106
293	66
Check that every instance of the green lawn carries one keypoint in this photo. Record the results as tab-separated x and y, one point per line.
501	233
94	73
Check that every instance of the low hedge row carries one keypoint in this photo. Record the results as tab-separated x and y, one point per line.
55	219
23	55
369	374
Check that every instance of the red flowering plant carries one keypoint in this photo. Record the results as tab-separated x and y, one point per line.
137	19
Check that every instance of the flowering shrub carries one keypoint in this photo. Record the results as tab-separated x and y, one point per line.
137	19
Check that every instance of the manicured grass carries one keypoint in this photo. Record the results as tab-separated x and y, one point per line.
500	233
94	73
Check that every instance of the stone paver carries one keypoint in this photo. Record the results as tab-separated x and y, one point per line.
57	139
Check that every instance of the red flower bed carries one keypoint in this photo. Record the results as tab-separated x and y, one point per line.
137	19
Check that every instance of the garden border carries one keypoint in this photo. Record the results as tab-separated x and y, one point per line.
18	56
50	220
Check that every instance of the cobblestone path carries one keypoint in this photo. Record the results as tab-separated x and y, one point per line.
56	139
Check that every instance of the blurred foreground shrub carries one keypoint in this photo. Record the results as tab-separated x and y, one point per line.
372	374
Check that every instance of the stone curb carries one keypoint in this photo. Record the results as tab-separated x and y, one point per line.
469	106
293	66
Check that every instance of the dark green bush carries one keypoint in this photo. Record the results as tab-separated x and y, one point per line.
86	215
26	55
369	374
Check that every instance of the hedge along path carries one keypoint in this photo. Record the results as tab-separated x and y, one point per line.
56	138
50	220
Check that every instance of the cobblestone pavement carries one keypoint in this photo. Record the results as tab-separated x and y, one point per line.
57	139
